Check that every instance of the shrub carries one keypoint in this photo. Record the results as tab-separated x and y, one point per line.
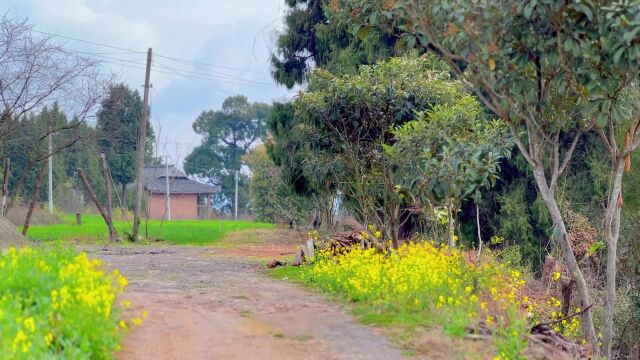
57	303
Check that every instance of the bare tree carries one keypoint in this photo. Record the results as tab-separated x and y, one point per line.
36	71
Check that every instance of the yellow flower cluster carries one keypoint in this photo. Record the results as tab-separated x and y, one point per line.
429	279
57	303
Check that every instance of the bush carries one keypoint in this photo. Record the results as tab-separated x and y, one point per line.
56	303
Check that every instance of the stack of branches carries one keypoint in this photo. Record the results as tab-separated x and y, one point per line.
544	342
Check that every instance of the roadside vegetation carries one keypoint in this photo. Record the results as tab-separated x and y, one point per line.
428	285
57	303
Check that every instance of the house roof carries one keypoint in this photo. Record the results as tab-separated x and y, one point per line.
153	172
180	186
154	181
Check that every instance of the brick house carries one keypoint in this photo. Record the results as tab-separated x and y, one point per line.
189	199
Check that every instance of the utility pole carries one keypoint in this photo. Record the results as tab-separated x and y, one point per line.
142	140
50	173
236	207
168	201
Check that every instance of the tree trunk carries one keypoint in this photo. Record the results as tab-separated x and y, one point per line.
548	196
124	201
107	185
5	186
611	234
34	197
479	232
452	241
113	234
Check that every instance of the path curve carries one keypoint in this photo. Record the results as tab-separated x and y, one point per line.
205	306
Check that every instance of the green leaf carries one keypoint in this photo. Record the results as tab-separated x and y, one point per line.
618	54
528	9
363	32
595	247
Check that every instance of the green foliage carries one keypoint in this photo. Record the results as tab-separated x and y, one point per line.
117	132
347	124
227	136
55	303
73	146
179	232
344	122
449	152
314	37
272	198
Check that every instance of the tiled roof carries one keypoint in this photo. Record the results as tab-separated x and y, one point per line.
180	186
155	182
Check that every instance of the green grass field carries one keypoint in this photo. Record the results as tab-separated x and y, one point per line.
181	232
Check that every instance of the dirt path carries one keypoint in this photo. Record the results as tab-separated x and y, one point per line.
205	306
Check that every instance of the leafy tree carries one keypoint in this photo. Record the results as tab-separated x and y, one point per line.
552	71
448	154
345	122
271	197
312	37
117	133
228	134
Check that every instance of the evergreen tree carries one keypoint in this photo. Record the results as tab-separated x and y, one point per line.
117	132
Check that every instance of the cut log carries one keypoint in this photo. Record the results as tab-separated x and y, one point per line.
274	263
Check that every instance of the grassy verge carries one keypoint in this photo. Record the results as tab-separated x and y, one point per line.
181	232
56	303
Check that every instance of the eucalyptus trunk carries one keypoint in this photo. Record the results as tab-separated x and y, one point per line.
611	235
548	196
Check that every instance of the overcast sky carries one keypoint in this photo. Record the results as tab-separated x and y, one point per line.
233	39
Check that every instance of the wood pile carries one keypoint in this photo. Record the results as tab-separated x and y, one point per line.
543	336
345	240
544	342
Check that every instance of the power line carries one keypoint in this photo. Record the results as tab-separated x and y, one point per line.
213	73
173	58
204	76
200	63
89	42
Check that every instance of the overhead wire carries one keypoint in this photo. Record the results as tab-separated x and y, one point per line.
173	58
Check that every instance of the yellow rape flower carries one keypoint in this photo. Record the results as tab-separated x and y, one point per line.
48	339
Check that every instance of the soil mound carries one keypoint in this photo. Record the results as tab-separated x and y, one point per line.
39	216
9	235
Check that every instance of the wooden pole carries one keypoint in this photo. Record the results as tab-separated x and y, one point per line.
168	192
142	140
113	234
5	186
34	197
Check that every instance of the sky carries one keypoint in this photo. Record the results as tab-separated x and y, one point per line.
204	51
